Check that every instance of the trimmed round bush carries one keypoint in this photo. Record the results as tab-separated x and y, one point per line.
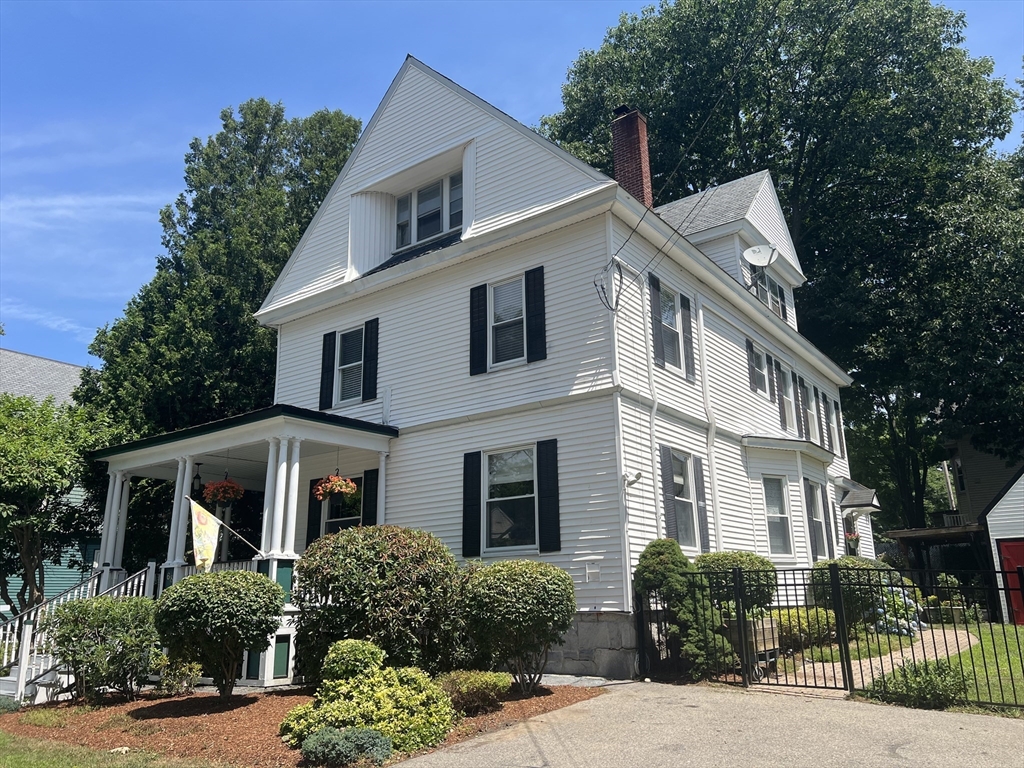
403	704
801	628
334	748
516	610
397	587
759	582
474	692
924	685
348	658
213	617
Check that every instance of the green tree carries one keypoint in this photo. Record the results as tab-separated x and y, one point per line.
873	119
42	457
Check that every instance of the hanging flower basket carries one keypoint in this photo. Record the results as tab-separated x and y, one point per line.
222	492
333	484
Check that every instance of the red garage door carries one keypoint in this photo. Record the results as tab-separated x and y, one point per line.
1011	555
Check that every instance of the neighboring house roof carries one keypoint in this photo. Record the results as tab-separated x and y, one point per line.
37	377
999	496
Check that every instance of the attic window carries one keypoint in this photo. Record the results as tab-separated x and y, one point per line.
429	211
770	292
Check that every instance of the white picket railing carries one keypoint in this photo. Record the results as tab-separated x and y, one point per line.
235	565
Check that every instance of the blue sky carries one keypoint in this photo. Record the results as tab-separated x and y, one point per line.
98	102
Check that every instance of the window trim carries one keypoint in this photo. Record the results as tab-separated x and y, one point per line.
790	401
486	550
784	487
774	291
831	422
763	371
675	330
812	498
413	195
521	360
810	410
338	402
695	547
326	506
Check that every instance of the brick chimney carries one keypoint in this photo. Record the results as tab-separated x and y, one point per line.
629	154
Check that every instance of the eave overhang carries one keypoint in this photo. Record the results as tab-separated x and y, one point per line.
805	447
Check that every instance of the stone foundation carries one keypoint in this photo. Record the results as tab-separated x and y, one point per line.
601	643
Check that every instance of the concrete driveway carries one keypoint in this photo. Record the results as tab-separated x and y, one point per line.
653	725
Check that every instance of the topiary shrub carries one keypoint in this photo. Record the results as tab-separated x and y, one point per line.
474	692
663	571
397	587
403	704
336	748
924	685
516	610
759	584
108	643
213	617
801	628
348	658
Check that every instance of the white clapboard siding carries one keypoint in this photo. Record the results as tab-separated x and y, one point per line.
743	522
766	463
766	215
725	252
643	498
1005	520
424	336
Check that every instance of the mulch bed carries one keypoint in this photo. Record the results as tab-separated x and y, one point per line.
242	732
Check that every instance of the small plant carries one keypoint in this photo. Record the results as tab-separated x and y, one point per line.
8	704
213	617
801	628
336	748
177	677
923	685
474	692
516	610
350	658
44	717
223	492
759	579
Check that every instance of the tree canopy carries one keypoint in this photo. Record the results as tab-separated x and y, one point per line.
877	127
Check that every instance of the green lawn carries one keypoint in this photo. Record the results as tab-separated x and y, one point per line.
992	668
863	645
21	752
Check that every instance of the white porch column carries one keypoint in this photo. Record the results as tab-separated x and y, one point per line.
293	498
382	463
179	490
268	494
107	525
184	509
280	489
110	535
122	522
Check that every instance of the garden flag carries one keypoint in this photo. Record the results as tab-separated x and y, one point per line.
204	536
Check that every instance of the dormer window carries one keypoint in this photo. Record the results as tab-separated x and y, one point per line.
770	292
428	211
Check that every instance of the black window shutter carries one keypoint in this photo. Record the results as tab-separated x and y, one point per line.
668	493
811	522
370	478
327	371
478	330
839	430
782	400
548	523
313	517
656	330
803	408
370	360
828	421
798	404
782	302
750	365
702	504
471	508
830	515
770	370
691	369
536	325
822	432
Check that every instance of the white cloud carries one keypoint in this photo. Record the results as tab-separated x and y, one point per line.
17	310
47	211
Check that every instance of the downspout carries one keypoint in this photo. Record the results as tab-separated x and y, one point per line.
709	412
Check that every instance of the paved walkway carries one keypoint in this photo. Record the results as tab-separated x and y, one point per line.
666	726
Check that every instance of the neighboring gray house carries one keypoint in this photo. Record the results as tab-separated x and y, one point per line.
39	378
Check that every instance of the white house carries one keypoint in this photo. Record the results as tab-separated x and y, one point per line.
509	349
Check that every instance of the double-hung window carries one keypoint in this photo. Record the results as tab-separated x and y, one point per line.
832	426
428	211
343	510
771	293
779	540
815	518
511	499
809	416
507	309
760	371
686	526
670	326
786	385
350	366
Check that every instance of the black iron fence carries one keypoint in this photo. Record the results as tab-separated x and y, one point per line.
838	628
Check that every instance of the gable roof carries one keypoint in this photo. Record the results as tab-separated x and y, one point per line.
37	377
983	517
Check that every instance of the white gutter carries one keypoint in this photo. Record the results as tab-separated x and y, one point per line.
712	422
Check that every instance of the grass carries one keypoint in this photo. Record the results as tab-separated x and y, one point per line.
993	667
20	752
863	645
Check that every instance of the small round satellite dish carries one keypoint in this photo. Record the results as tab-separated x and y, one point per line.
760	255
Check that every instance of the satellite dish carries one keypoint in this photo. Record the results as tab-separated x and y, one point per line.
760	255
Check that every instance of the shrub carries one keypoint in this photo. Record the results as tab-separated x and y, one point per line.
665	572
106	642
475	692
213	617
516	610
861	583
177	677
397	587
8	704
348	658
402	704
801	628
924	685
335	748
759	582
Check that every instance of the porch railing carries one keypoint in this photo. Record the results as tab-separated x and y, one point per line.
235	565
